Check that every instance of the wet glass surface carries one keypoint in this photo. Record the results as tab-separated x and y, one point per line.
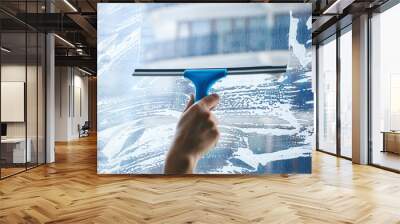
266	120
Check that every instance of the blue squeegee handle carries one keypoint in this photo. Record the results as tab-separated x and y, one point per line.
203	79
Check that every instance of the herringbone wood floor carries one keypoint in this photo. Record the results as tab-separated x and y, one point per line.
70	191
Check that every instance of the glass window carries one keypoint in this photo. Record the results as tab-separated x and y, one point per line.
258	35
200	28
223	25
223	29
200	39
238	39
41	98
31	101
385	91
183	30
327	96
209	33
15	149
266	119
32	73
346	94
240	24
281	27
258	22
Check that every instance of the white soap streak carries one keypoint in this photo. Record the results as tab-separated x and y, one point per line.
298	50
253	160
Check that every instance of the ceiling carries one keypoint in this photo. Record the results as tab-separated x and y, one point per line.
75	22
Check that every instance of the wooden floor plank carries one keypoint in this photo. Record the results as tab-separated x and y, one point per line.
70	191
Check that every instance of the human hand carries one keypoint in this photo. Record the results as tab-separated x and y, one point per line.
196	134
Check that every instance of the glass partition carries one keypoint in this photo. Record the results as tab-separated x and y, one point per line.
22	90
41	96
14	153
31	99
327	96
346	93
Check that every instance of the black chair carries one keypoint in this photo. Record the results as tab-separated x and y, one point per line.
84	130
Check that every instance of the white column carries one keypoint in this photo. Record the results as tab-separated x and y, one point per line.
360	90
50	92
314	87
50	99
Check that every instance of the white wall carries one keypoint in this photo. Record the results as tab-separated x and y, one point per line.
80	110
61	103
33	126
17	73
71	102
14	73
12	101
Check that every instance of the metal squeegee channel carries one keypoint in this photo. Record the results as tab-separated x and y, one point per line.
231	71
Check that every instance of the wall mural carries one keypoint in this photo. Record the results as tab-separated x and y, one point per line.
266	120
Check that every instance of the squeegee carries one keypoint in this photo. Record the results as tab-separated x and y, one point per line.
203	79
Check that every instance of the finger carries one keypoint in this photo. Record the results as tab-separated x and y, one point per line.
210	101
213	118
189	103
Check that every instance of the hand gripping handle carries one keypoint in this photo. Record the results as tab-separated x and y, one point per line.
203	79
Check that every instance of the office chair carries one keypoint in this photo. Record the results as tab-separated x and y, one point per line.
84	130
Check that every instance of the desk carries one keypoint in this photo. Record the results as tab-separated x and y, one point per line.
391	141
15	148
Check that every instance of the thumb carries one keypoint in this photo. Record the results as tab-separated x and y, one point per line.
210	101
189	103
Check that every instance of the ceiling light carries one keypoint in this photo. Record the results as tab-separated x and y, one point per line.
5	50
337	7
70	5
65	41
79	51
84	71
